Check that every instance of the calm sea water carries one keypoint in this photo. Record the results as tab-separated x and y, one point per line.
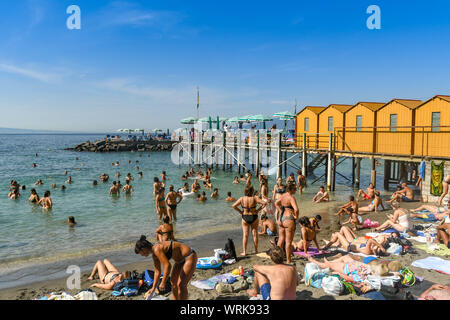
30	236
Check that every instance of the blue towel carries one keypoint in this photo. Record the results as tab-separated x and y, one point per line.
374	295
125	292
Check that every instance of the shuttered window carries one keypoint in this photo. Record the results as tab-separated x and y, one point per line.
358	123
306	124
330	123
435	121
393	122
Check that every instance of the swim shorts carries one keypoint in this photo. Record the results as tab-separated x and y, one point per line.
406	199
366	197
265	291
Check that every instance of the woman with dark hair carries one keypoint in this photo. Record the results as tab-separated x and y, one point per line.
34	197
107	273
183	269
308	234
172	202
157	185
287	213
46	201
160	201
249	215
165	231
14	194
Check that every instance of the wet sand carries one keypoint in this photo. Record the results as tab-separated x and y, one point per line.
206	244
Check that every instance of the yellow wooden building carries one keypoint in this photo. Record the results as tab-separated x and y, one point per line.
394	127
307	121
358	135
432	132
331	117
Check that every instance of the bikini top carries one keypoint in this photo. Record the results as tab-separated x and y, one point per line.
169	252
253	207
280	190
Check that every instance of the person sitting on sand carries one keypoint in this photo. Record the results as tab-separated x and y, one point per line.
275	282
267	226
39	182
236	180
400	221
173	199
436	292
127	188
34	197
370	191
71	221
183	269
349	207
314	221
308	234
46	201
443	233
374	204
215	194
406	194
355	219
321	196
287	214
165	231
249	215
230	198
107	273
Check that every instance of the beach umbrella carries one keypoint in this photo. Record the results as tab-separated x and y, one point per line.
189	120
244	118
286	116
260	118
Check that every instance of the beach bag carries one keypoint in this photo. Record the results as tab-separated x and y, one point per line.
230	248
394	248
332	285
408	277
314	275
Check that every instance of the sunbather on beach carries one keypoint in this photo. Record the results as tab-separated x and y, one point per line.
365	246
431	208
275	282
287	214
370	191
436	292
172	200
348	208
267	226
443	233
400	221
183	269
374	204
314	221
351	237
308	234
355	219
107	273
406	194
249	214
165	231
321	196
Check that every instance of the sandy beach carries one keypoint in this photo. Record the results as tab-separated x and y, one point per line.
204	246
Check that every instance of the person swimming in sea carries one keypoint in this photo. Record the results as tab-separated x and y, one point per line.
39	182
71	221
115	189
127	188
34	197
230	198
215	194
46	202
69	180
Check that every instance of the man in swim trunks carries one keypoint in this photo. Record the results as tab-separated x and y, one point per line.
406	194
370	191
115	189
267	226
275	282
321	196
349	207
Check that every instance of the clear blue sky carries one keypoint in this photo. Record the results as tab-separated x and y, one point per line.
136	64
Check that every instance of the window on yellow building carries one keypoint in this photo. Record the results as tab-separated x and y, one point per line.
393	122
358	123
435	121
330	123
306	124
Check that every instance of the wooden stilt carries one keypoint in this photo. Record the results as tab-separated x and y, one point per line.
330	157
304	156
358	172
373	174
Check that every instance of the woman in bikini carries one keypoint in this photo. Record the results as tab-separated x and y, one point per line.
107	273
157	185
183	269
160	201
287	213
301	181
308	234
270	207
249	215
349	242
14	194
46	202
172	202
400	221
34	197
165	231
374	204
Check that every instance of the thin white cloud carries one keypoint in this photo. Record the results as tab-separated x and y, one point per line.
282	102
32	74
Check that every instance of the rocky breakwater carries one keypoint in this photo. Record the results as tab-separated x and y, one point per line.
123	146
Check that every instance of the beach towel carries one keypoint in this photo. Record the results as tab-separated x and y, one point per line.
62	296
435	249
128	292
210	283
86	295
433	263
311	251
